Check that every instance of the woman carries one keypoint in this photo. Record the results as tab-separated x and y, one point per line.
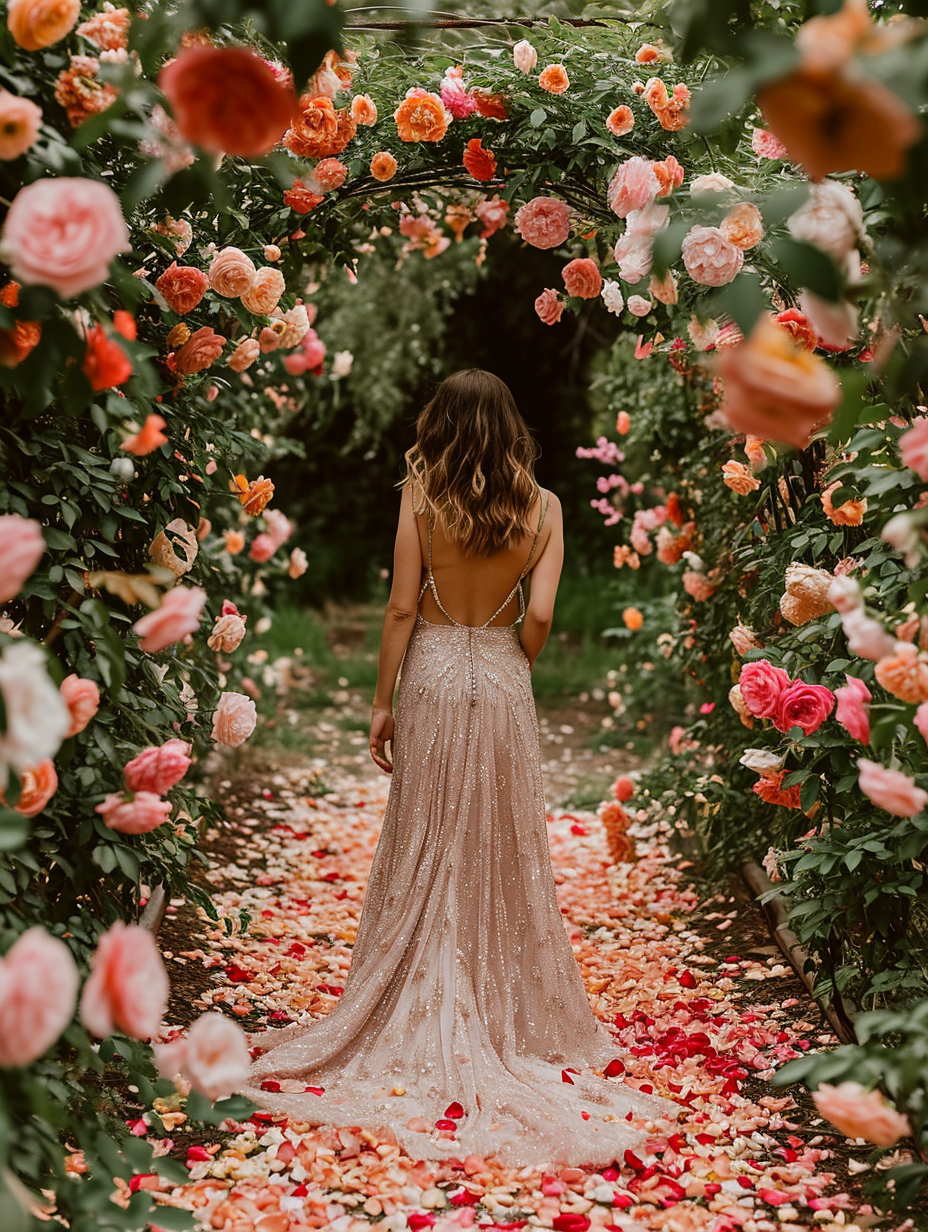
463	988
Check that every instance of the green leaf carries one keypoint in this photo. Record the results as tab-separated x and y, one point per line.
14	829
538	117
810	267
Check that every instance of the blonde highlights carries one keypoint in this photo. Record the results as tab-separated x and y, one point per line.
473	463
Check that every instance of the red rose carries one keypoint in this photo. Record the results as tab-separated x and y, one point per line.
105	363
803	705
182	287
227	100
480	163
761	686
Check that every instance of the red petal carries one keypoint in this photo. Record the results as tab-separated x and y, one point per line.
454	1110
614	1068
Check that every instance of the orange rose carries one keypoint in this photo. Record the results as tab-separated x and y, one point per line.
254	496
182	287
672	110
301	199
620	121
319	130
23	338
234	542
480	163
647	53
739	478
39	784
35	24
363	110
770	788
904	674
554	79
383	166
851	513
490	106
632	619
148	439
421	117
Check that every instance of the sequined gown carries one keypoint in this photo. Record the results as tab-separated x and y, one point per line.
463	986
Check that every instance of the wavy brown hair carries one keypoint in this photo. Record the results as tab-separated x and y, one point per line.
473	463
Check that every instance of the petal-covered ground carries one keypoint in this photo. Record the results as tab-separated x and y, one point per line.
701	1026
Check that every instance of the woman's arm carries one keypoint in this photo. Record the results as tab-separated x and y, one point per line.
397	627
543	587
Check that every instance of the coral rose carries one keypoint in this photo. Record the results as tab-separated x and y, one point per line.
524	56
697	586
490	106
890	790
850	513
620	121
543	222
214	1057
364	110
128	986
710	258
904	673
254	496
634	185
200	351
38	992
227	100
739	478
22	546
775	390
262	548
860	1113
799	328
263	296
770	789
765	145
913	447
82	698
81	92
672	110
182	287
235	719
301	199
554	79
853	712
479	163
39	784
139	813
227	634
63	233
493	213
383	166
743	225
35	24
762	685
150	438
19	125
549	307
105	363
178	615
330	173
109	28
232	273
298	564
582	278
803	705
159	768
421	117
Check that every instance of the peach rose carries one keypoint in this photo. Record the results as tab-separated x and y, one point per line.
319	130
22	546
664	290
904	673
214	1057
35	24
263	296
140	813
19	125
244	354
620	121
200	351
421	117
743	225
128	986
38	992
913	447
739	478
672	110
383	166
698	586
775	390
148	439
549	307
582	278
831	217
890	790
710	258
178	615
176	547
159	768
298	564
554	79
853	712
634	185
39	784
234	542
234	720
109	28
860	1113
364	110
254	496
232	273
803	705
639	306
744	639
82	698
762	685
63	233
850	513
296	326
227	634
227	100
524	56
807	594
182	287
543	222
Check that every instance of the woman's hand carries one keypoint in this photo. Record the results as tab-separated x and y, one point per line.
381	735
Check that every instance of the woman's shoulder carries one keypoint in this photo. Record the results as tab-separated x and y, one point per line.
551	502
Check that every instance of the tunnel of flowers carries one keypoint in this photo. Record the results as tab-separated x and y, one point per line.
240	243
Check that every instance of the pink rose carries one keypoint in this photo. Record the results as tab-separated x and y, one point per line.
634	185
866	637
549	306
21	548
178	615
128	986
493	213
803	705
309	357
140	813
913	446
459	101
82	698
235	719
582	278
158	768
710	258
262	548
227	634
38	991
214	1057
765	145
543	222
761	687
860	1113
890	790
853	711
298	563
19	125
279	526
63	233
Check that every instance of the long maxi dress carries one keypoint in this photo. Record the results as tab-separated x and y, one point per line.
463	986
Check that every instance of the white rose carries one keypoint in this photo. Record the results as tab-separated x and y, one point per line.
713	182
845	594
762	761
612	297
832	218
341	364
36	715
